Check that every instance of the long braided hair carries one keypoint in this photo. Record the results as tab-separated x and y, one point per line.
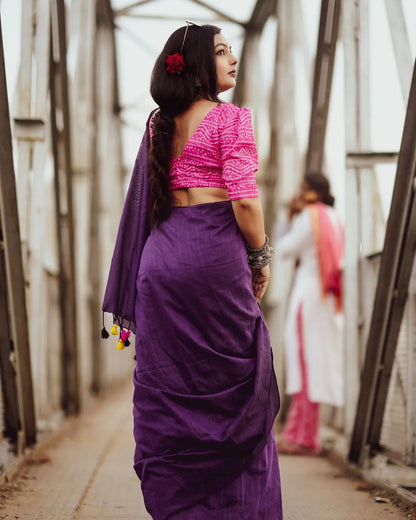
174	93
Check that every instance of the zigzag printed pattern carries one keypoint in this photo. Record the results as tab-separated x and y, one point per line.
221	153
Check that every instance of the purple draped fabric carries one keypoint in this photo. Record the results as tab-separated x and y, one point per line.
205	394
120	294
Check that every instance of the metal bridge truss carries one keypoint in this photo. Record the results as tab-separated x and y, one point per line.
77	138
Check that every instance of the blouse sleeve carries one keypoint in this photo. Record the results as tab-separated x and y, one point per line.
238	153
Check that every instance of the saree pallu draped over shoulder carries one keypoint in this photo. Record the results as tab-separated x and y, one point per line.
120	294
205	392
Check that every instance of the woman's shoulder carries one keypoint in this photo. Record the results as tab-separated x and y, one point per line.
229	109
231	116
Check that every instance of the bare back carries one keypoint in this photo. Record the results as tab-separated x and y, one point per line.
186	125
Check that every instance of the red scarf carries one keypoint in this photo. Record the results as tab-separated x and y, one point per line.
329	238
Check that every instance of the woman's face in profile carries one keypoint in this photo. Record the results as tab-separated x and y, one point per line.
226	64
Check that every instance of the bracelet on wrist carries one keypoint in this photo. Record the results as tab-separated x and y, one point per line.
258	258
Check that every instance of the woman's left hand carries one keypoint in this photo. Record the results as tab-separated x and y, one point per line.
260	281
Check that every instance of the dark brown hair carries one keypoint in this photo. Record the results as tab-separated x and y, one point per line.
318	182
175	93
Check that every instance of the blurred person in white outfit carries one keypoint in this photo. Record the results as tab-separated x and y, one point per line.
313	328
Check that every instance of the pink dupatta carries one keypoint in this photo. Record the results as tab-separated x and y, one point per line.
329	238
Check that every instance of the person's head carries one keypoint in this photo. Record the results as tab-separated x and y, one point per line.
208	68
315	187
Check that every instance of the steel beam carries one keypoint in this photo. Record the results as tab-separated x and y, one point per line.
283	153
218	12
410	455
16	302
63	197
369	159
357	137
401	44
127	8
322	82
391	293
179	18
7	372
262	11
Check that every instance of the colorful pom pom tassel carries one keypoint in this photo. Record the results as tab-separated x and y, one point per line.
114	330
120	344
104	332
124	336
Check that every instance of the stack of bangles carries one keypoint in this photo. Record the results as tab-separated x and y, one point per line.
258	258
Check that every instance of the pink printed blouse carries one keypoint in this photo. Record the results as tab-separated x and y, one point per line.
221	153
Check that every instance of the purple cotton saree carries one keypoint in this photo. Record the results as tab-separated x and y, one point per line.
205	395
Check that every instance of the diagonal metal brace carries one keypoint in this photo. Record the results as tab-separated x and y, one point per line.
391	294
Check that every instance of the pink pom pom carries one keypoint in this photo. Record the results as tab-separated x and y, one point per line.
125	334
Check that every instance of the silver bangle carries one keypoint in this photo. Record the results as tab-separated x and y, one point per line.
258	258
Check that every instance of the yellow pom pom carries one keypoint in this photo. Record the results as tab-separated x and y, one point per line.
120	345
114	330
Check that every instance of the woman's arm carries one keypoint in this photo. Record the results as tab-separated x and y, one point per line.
249	216
239	155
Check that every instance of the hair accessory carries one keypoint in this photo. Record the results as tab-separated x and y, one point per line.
175	62
188	24
258	258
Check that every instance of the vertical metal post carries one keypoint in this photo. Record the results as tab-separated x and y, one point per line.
14	269
86	16
411	375
60	128
249	85
271	178
24	147
322	83
401	44
283	143
7	372
282	172
355	18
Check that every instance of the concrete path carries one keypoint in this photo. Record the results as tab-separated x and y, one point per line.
85	473
315	489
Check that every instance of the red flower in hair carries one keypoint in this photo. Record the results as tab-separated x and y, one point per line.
175	63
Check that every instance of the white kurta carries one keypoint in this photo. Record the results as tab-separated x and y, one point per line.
321	324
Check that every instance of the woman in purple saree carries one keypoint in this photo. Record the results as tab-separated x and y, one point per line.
190	264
